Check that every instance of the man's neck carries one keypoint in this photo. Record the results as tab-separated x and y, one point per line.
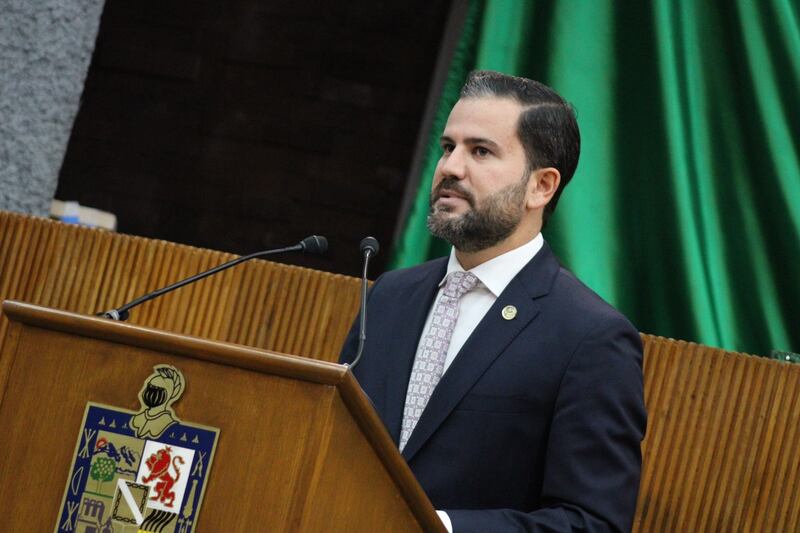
470	260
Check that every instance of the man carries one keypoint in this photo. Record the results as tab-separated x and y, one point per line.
514	392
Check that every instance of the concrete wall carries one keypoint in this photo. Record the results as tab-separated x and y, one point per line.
45	49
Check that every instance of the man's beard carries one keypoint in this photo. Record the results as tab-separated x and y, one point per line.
483	226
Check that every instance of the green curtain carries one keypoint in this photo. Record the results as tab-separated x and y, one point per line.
685	209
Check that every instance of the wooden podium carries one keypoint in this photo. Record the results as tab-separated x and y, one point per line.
300	448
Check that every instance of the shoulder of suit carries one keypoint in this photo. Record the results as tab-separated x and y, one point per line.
583	301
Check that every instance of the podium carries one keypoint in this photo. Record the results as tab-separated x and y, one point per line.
299	446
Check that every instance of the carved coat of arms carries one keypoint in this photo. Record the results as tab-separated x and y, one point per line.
138	471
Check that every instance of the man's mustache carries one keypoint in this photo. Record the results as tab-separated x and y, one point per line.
452	185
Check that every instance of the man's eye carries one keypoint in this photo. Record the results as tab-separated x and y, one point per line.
447	148
481	151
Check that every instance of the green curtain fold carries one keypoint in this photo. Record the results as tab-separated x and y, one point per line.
685	209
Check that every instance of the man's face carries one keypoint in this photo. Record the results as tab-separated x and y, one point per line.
480	184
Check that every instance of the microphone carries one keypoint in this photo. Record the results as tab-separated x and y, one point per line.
369	248
314	244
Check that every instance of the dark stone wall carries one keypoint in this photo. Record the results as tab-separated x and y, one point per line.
241	125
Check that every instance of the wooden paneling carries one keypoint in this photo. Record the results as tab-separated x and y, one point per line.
721	451
261	304
721	447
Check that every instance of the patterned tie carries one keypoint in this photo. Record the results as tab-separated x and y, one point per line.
429	363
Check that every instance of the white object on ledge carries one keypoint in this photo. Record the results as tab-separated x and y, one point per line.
75	213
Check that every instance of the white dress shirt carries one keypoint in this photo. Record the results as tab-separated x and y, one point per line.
494	276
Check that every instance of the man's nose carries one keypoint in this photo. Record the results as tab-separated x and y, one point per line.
454	163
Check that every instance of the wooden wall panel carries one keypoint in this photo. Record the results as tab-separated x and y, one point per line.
261	304
721	450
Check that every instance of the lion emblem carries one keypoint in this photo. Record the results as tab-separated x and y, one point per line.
160	391
158	464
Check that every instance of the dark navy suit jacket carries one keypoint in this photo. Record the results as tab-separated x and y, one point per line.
537	424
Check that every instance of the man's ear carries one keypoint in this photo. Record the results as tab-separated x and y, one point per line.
542	185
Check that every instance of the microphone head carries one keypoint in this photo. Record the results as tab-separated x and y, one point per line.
315	244
371	244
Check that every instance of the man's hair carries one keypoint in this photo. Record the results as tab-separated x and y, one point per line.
547	127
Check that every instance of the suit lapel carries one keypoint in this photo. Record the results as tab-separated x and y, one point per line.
417	300
489	339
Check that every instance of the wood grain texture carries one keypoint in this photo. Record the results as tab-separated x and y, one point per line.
291	456
720	452
260	304
721	447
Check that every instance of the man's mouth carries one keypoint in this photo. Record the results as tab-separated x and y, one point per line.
451	194
447	201
451	197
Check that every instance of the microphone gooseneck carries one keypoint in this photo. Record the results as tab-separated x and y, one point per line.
369	247
314	244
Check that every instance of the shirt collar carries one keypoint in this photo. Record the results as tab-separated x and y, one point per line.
496	273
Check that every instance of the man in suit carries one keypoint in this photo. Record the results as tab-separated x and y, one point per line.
513	391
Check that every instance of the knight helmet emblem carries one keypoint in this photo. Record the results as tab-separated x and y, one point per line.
161	389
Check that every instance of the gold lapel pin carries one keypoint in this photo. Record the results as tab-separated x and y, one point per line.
509	312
